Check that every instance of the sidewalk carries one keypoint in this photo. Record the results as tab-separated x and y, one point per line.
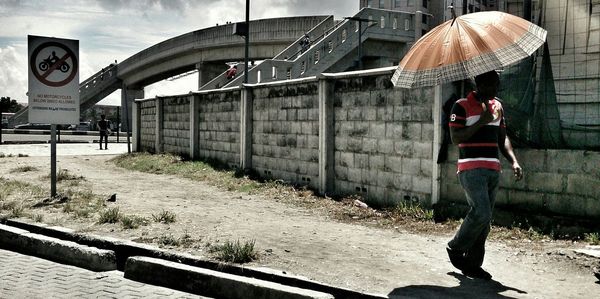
62	149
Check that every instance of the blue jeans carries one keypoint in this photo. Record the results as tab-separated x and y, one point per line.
481	186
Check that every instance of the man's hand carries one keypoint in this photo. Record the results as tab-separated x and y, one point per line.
517	171
486	115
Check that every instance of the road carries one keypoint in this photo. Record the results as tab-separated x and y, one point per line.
23	276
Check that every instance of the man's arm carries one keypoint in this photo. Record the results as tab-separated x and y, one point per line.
462	134
507	151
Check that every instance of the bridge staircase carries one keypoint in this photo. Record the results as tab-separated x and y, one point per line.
335	46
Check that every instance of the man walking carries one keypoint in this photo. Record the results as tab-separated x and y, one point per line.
103	129
478	127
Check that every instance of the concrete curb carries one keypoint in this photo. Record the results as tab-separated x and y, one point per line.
124	249
62	251
210	283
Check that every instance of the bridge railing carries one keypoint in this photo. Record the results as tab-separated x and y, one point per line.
333	45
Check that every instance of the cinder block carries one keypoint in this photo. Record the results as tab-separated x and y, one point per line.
370	145
394	163
403	181
354	175
526	200
411	131
376	162
545	182
385	146
423	150
583	185
411	166
421	184
404	148
377	130
564	161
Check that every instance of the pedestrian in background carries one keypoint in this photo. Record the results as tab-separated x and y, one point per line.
478	127
103	130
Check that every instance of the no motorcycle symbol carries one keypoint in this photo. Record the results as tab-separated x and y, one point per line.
53	64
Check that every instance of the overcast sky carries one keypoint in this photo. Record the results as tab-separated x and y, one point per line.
116	29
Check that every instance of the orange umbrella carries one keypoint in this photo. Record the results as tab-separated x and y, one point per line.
467	46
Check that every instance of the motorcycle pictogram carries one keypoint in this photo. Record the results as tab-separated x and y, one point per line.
50	61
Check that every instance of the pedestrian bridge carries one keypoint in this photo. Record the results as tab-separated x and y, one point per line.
276	41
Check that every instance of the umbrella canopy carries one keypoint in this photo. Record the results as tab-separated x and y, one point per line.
467	46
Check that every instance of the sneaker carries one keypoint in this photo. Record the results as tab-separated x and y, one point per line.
477	273
457	258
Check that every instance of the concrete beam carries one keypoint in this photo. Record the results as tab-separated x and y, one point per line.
246	108
326	137
210	283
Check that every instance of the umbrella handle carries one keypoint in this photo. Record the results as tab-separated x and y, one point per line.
453	14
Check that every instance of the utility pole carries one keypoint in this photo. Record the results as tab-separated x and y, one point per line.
247	41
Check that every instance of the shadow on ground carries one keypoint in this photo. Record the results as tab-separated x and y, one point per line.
468	288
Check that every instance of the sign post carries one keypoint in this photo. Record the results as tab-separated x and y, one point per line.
53	87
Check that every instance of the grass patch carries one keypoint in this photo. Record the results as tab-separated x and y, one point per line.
133	221
38	217
235	252
110	215
211	172
65	175
13	189
592	238
168	240
413	211
24	169
165	217
82	203
17	211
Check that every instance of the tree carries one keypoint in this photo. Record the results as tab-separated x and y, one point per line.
8	105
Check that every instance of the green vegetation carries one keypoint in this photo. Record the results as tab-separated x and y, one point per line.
235	252
24	169
110	215
164	217
414	211
592	238
38	217
209	171
133	221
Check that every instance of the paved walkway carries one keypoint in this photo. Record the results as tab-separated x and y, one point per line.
62	149
23	276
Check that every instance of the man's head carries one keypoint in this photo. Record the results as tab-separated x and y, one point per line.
487	84
102	116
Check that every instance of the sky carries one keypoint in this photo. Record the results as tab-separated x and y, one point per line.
110	30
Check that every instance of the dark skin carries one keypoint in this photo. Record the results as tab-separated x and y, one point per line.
488	90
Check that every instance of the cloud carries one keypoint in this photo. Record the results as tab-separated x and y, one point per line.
13	73
143	6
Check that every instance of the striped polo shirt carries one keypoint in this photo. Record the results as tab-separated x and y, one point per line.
481	150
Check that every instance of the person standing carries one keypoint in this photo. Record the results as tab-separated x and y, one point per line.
103	130
478	127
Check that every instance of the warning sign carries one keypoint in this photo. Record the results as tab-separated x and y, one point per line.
53	80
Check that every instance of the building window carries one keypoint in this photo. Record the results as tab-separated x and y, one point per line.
330	46
317	56
289	74
274	72
369	3
425	3
424	18
344	35
258	76
406	24
395	23
382	22
396	3
302	69
381	3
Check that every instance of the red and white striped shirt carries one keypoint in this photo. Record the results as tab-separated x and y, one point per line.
481	150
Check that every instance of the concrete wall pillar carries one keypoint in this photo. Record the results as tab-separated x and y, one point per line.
208	71
159	125
246	128
128	95
418	24
437	142
136	126
326	137
194	128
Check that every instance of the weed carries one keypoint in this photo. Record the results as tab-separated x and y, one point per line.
65	175
38	218
24	169
22	155
592	238
414	211
111	215
133	222
235	252
164	217
16	211
83	203
168	240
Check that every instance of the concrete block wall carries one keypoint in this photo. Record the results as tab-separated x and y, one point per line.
285	138
219	126
383	140
176	125
148	126
557	182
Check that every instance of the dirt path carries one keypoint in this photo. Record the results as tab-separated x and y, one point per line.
308	243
